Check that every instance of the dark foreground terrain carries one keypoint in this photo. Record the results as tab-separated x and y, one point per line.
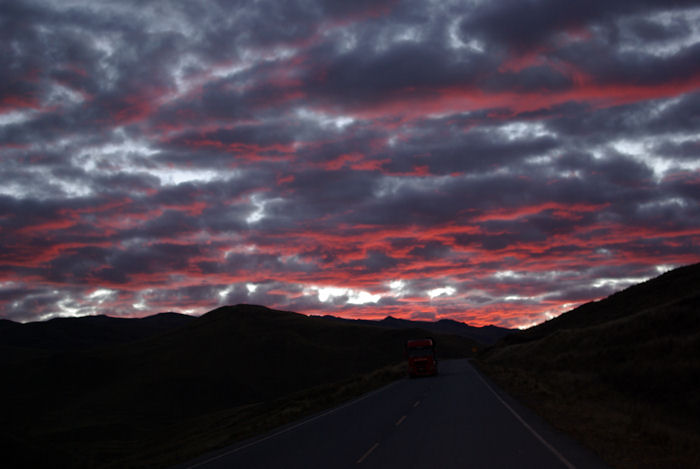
454	420
107	392
619	374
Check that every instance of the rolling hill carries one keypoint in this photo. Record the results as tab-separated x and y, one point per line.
148	393
620	374
86	332
485	334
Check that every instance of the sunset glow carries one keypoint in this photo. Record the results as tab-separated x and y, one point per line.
489	162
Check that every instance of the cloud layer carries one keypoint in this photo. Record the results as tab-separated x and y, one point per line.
491	162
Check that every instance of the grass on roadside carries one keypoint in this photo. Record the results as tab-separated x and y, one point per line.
620	375
626	432
191	438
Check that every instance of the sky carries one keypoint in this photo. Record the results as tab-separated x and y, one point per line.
492	162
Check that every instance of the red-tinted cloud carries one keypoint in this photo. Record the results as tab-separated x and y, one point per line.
491	164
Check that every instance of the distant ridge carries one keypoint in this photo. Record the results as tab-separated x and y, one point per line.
485	335
87	332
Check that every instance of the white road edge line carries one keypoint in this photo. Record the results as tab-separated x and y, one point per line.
293	427
374	446
526	425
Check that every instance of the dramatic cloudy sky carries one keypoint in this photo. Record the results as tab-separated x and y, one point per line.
487	161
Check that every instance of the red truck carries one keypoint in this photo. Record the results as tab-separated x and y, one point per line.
420	354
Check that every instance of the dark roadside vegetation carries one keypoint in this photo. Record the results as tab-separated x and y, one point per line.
103	392
620	375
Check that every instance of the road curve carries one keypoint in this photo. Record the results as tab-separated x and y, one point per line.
454	420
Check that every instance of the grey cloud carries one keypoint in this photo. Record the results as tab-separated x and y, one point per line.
255	264
33	305
521	25
246	101
469	152
373	262
646	30
428	251
633	68
682	115
531	79
581	123
687	149
405	71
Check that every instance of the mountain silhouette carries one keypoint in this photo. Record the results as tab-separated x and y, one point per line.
485	334
87	331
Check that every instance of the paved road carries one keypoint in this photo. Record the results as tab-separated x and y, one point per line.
454	420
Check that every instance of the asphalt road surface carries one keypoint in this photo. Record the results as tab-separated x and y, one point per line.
454	420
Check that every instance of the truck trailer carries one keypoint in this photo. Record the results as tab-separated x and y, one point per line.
420	354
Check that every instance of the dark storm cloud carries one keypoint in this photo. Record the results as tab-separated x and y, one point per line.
373	262
646	30
120	183
687	187
429	250
319	194
688	149
448	152
643	119
680	116
636	67
522	25
155	258
362	77
619	171
254	263
530	79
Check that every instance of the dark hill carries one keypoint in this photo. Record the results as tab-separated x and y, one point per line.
86	332
620	373
230	373
485	335
667	288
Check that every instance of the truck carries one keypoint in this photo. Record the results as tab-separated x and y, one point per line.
420	354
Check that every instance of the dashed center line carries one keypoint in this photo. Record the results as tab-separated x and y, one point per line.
374	446
416	404
400	420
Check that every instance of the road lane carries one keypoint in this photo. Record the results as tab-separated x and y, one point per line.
462	424
453	420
